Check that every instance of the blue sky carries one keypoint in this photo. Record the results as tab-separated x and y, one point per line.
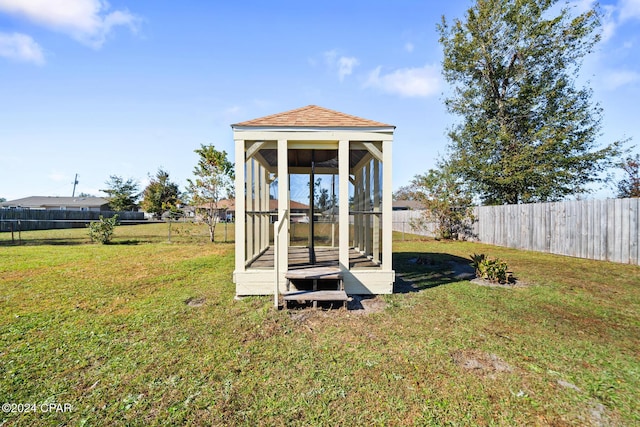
123	88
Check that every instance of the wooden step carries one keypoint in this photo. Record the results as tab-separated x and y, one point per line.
314	273
315	296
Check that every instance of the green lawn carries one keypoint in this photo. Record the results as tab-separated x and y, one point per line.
107	330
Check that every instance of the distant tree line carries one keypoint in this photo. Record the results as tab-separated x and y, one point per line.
213	179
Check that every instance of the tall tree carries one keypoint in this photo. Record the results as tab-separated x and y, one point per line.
526	133
323	201
122	194
629	186
213	178
161	195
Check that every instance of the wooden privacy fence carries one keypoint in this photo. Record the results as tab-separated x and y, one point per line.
407	222
593	229
28	219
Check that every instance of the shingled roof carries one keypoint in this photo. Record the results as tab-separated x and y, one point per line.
47	202
312	116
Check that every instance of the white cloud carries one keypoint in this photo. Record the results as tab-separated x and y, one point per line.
408	82
88	21
608	21
629	9
330	56
609	24
409	47
20	47
344	65
616	79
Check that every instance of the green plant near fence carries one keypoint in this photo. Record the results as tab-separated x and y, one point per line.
102	230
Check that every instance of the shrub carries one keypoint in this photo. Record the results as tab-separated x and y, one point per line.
102	230
448	203
491	269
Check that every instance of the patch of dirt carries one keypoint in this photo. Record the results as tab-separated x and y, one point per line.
301	316
481	363
595	413
483	282
358	305
195	302
567	384
598	414
366	304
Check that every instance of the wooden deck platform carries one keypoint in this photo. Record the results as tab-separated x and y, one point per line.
325	257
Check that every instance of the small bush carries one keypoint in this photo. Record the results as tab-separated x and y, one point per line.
102	230
491	269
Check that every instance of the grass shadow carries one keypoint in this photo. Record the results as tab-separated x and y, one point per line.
45	242
125	242
417	271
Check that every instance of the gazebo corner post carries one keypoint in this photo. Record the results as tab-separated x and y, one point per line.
387	220
343	204
240	237
312	193
376	212
249	209
367	232
283	208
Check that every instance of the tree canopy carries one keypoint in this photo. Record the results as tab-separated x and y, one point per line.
161	194
526	133
122	194
629	186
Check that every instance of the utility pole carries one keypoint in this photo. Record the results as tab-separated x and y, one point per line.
75	182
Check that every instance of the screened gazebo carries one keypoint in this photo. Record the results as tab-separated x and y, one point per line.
344	240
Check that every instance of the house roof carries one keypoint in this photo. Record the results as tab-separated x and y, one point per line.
401	205
293	205
51	201
313	116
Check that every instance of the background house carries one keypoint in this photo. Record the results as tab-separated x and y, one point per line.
95	204
407	205
299	211
46	213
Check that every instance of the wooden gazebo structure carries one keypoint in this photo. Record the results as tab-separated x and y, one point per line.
313	141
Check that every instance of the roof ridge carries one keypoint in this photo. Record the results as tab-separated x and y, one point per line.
312	116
